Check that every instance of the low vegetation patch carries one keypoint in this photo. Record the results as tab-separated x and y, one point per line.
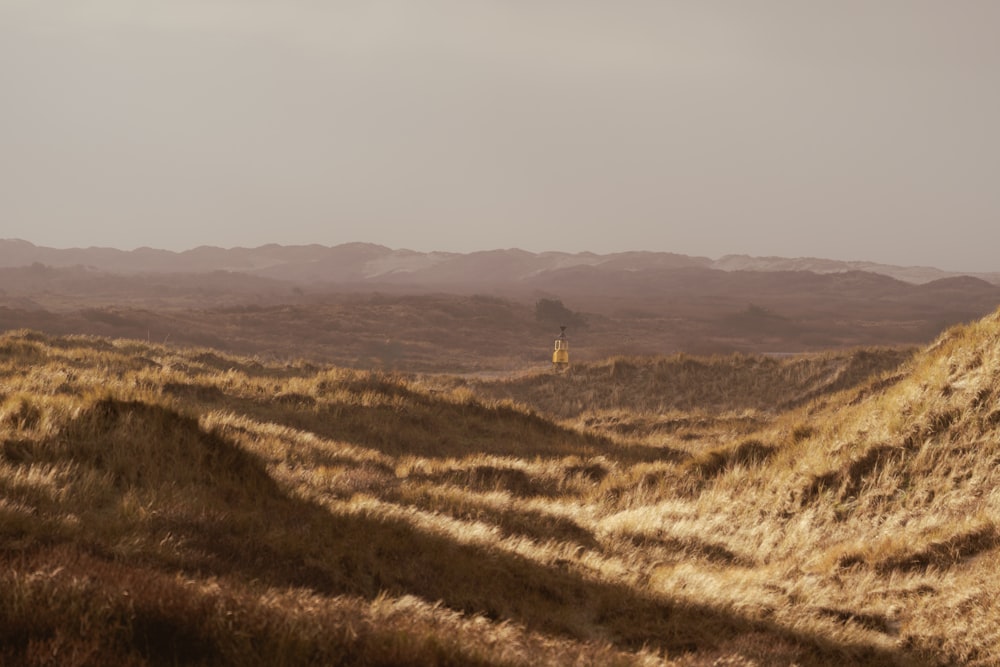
160	505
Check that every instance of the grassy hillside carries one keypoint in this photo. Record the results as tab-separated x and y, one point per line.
721	383
161	506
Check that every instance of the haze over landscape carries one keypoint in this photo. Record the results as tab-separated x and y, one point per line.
285	291
845	130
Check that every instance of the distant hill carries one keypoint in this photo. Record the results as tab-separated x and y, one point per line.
361	263
367	305
910	274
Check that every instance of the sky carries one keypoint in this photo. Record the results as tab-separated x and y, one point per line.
843	129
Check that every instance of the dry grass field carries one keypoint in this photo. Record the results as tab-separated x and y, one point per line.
161	505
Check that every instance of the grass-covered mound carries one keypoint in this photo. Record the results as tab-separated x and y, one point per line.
162	506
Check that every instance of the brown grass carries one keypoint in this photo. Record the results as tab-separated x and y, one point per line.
161	506
719	384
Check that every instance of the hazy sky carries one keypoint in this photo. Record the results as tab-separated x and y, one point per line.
849	129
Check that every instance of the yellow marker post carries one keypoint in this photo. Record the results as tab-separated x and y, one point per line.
560	355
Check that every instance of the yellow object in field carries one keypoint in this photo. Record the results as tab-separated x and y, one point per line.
560	355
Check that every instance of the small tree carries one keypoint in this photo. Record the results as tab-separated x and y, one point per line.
553	312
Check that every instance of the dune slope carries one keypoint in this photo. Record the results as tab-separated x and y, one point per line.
160	505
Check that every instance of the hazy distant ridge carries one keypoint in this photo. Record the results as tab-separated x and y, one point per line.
364	263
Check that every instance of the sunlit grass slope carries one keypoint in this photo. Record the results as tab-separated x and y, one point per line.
163	506
716	384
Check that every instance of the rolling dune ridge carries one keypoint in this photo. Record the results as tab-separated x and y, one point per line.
161	504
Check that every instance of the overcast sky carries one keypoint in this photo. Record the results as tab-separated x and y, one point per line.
847	129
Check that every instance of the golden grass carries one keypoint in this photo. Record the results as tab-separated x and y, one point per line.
162	506
719	384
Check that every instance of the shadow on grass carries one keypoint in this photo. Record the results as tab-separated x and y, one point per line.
426	426
239	524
